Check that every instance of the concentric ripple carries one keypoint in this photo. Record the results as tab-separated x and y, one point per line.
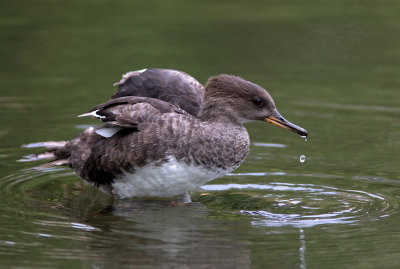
307	205
283	202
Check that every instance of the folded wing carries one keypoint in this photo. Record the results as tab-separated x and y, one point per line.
129	112
172	86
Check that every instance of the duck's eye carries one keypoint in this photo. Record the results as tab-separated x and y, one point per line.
258	101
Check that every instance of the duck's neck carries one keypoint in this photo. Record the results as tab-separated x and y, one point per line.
215	112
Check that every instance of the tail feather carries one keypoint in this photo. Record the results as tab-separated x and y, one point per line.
50	145
38	157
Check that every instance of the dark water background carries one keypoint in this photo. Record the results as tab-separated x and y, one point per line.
333	67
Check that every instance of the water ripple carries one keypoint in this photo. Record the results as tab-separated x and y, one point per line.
307	205
274	204
284	174
269	145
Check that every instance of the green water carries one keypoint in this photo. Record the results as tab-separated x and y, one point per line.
333	67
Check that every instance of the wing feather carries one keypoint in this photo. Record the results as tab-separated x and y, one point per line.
175	87
130	111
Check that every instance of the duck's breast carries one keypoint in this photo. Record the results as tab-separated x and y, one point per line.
167	179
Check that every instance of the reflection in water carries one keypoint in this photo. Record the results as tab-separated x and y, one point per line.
151	233
302	250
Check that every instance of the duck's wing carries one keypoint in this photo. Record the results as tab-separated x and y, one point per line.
130	112
175	87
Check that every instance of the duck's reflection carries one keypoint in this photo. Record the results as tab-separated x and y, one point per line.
150	234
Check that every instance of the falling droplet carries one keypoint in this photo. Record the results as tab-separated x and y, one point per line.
304	137
302	158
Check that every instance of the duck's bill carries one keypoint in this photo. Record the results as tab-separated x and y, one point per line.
280	121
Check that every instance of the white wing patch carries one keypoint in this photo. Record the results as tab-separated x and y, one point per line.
107	132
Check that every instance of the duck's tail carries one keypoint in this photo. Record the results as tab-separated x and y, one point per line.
51	147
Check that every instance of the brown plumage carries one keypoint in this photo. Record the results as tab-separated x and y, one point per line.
148	144
172	86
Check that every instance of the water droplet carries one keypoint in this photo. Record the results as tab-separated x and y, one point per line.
304	137
302	158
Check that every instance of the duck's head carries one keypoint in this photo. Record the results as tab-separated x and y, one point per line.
242	101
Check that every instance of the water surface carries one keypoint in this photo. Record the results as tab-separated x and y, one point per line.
332	68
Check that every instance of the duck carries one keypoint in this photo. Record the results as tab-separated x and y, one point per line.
164	134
